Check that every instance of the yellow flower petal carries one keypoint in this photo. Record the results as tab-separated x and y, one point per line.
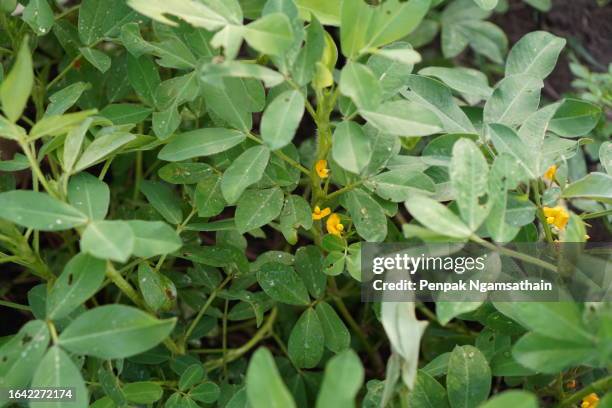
550	173
334	226
318	214
321	168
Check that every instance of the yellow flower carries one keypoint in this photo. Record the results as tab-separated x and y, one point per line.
321	168
557	216
319	214
550	173
334	226
590	401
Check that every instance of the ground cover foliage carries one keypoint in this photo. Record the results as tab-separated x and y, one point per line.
186	185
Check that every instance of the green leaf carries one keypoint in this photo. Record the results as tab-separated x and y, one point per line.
57	370
81	278
114	331
65	98
469	175
337	336
368	216
164	199
195	13
144	78
295	214
208	197
158	291
351	147
9	130
512	398
486	4
113	240
513	99
74	143
214	71
534	54
470	83
201	142
282	118
342	380
558	320
427	393
142	392
605	156
227	100
575	118
435	96
306	340
256	208
551	355
507	141
594	186
304	68
437	217
270	34
39	16
403	118
184	173
264	385
153	238
125	113
533	135
246	170
404	331
89	195
18	163
405	55
282	284
98	59
58	124
207	392
468	379
101	148
17	86
39	211
309	266
505	175
358	82
399	185
99	19
191	376
364	27
327	12
20	355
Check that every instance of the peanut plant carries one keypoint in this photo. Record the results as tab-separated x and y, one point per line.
186	186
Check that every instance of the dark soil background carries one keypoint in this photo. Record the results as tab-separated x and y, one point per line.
586	25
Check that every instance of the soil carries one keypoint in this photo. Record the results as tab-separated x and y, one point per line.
586	25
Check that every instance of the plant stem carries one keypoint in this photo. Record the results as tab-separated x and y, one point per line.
541	216
200	314
53	331
131	293
345	189
514	254
374	357
13	305
281	155
238	352
600	386
588	216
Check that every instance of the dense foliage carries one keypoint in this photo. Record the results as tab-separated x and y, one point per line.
192	181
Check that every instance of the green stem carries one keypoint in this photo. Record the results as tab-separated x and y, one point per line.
588	216
281	155
600	387
344	189
53	331
200	314
127	289
514	254
234	354
541	216
13	305
374	357
36	168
